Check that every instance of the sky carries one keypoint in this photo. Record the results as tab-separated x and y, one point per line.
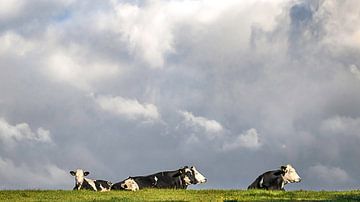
125	88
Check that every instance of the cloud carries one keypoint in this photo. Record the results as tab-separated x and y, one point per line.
355	70
328	175
10	134
149	30
14	44
276	80
10	9
339	125
72	66
210	126
250	140
129	108
146	31
23	176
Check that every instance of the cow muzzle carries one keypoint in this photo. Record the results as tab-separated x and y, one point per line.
296	180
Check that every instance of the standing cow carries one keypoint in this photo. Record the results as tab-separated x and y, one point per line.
276	179
84	183
177	179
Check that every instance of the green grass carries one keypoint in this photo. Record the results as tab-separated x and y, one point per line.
179	195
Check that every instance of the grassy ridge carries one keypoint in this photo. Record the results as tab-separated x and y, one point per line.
179	195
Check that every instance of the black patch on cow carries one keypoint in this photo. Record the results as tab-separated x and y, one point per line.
279	172
165	180
105	184
145	181
271	180
117	186
86	185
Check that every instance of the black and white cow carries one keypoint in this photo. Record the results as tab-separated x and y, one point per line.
276	179
84	183
177	179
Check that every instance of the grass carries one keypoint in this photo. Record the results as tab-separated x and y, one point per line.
178	195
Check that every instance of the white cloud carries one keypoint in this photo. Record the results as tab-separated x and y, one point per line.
10	134
328	175
10	8
146	31
14	44
250	140
130	108
341	125
211	126
25	176
355	70
343	23
76	67
149	30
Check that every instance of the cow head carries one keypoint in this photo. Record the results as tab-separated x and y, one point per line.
79	176
190	175
198	176
290	174
130	184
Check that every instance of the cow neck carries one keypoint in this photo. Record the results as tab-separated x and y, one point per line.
284	181
193	174
182	182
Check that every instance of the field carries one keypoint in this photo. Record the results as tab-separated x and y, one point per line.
178	195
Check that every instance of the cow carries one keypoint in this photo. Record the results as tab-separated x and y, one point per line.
276	179
84	183
177	179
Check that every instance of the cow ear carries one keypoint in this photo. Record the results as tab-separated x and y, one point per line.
283	168
86	173
72	173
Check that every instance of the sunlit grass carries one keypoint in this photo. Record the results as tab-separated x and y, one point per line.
179	195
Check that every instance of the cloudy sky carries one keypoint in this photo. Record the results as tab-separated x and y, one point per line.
124	87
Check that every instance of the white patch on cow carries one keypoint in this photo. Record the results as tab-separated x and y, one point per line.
187	180
198	176
130	184
261	182
187	169
102	189
156	179
290	175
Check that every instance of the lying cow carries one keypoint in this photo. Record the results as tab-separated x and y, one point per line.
177	179
84	183
276	179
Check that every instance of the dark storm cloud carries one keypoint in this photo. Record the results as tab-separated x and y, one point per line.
125	88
